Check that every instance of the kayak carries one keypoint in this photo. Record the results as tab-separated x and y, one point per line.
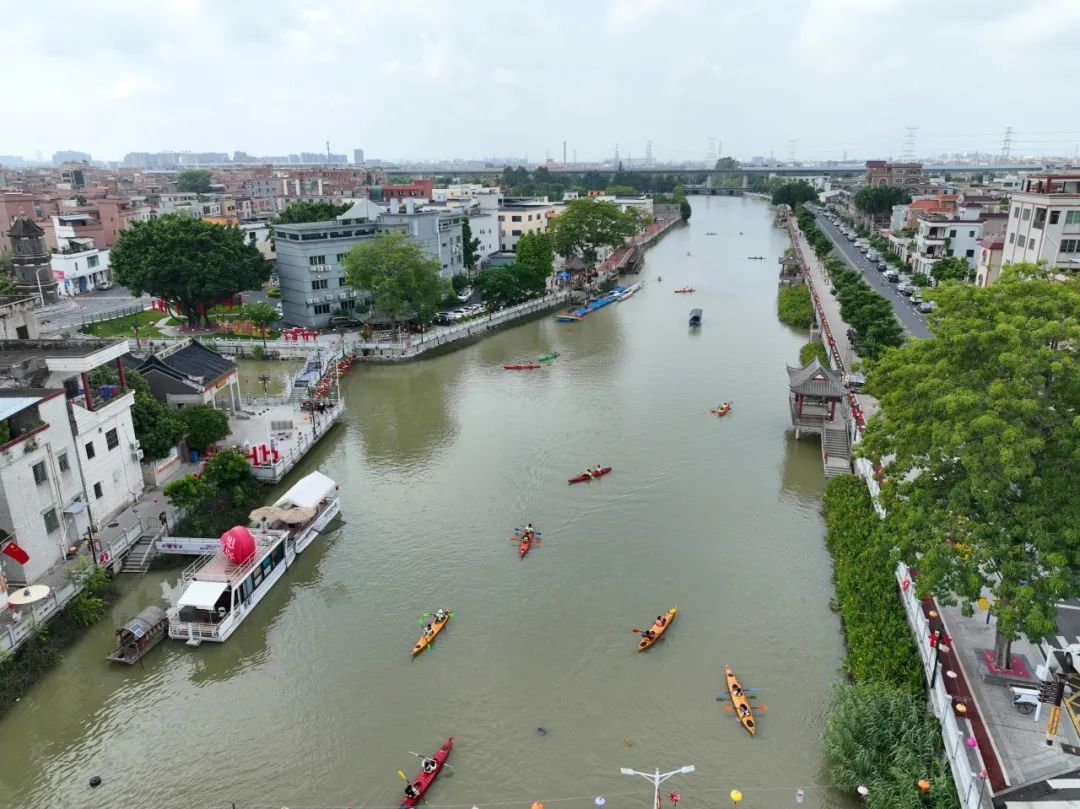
659	629
549	357
586	476
423	779
684	290
520	367
524	544
721	411
740	702
425	640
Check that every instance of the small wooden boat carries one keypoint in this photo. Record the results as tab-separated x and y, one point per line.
740	702
658	628
630	291
684	290
554	355
756	258
425	638
425	778
695	317
139	635
522	367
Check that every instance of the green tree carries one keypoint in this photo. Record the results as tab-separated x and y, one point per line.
226	469
953	268
621	191
400	278
588	225
469	245
879	199
193	181
536	255
188	492
260	314
814	349
595	180
300	212
499	286
795	307
727	163
794	193
204	426
979	422
189	263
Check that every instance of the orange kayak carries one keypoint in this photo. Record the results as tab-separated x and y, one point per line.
425	639
658	628
524	545
740	702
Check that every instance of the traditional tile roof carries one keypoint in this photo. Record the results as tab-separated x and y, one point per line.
194	364
25	228
814	379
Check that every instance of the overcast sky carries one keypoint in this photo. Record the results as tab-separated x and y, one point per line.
418	79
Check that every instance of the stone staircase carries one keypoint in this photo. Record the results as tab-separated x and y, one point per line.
138	558
836	451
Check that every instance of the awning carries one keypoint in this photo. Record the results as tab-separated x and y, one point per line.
202	594
78	507
308	492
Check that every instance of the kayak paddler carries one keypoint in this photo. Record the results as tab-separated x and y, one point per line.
528	531
412	791
660	620
428	765
440	614
428	631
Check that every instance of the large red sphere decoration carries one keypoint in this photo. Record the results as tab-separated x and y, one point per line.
238	544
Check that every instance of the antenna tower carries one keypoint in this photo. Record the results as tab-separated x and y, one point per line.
909	143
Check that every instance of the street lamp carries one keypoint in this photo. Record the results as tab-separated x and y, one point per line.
657	779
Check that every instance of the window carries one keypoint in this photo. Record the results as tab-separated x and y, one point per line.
322	283
98	492
502	218
62	462
52	522
89	450
341	281
1026	215
516	218
1012	238
1031	244
322	308
1055	216
315	261
971	234
341	257
112	440
1040	218
91	262
1070	245
952	234
40	475
1016	212
515	232
970	253
1072	217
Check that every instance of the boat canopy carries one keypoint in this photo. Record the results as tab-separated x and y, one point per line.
142	623
202	595
308	492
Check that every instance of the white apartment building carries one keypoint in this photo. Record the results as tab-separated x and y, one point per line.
78	271
518	217
1044	221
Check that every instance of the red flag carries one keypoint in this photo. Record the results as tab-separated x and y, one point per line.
15	552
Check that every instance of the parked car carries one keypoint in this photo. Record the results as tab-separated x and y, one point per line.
892	276
344	323
105	285
882	266
905	289
927	306
465	294
443	318
459	314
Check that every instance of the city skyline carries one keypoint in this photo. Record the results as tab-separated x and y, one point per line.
426	82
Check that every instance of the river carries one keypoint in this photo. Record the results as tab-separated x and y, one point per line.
315	701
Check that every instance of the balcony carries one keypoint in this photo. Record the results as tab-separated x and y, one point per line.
105	405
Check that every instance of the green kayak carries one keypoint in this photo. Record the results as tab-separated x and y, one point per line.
549	357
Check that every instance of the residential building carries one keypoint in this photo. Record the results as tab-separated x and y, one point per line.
417	190
484	226
17	318
32	266
78	270
437	232
886	172
358	155
74	443
518	217
189	373
989	264
1044	221
258	233
61	157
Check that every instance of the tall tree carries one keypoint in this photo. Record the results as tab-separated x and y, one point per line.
260	314
300	212
189	263
193	181
589	224
204	426
536	255
953	268
469	244
879	199
980	425
794	193
400	278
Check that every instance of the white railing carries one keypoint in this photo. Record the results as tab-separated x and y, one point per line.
19	633
968	769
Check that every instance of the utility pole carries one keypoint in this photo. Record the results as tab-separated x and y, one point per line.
328	151
564	152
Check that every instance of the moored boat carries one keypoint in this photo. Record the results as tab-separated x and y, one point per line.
139	635
427	775
521	367
221	590
569	317
427	637
684	291
652	635
589	475
630	291
740	702
695	317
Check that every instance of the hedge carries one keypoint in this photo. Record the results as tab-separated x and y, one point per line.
795	307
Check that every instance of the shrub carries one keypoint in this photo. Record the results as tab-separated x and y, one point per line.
813	349
795	307
273	292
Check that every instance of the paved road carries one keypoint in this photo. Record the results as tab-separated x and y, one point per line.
909	316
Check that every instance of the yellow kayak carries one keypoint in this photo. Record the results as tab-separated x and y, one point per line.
426	638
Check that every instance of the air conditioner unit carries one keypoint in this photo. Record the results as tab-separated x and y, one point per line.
137	454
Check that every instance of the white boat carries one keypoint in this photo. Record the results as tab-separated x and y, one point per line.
220	593
629	291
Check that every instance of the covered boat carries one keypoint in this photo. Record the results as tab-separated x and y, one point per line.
429	771
695	317
139	635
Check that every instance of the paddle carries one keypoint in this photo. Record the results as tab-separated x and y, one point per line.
761	708
449	767
429	614
750	691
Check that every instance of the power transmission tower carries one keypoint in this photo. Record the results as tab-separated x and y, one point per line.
616	154
909	143
648	152
791	150
1006	144
710	153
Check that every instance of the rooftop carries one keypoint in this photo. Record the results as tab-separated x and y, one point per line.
191	362
814	379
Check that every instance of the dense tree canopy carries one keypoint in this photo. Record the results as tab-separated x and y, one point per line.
879	199
189	263
204	426
587	225
794	193
301	212
195	181
469	245
979	423
953	268
260	314
400	278
524	279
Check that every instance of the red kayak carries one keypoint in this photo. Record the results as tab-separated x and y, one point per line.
521	367
587	476
524	545
425	779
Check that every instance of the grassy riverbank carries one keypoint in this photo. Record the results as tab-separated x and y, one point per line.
795	307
